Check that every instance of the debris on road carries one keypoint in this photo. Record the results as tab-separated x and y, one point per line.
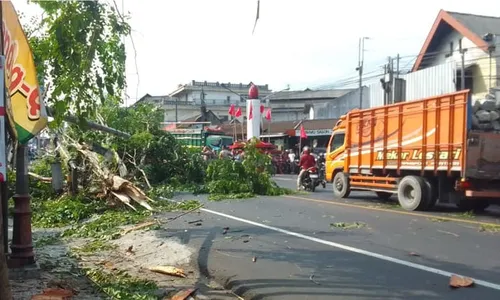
225	230
140	226
450	233
414	254
195	221
347	226
254	259
130	250
312	279
185	213
54	294
184	294
168	270
458	282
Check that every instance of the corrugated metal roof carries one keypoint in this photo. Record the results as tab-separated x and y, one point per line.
478	24
308	94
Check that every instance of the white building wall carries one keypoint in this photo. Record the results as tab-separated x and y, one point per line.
431	81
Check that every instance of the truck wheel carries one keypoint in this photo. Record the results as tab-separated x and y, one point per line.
384	196
433	194
413	193
341	185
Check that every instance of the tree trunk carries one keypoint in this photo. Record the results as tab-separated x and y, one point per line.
4	275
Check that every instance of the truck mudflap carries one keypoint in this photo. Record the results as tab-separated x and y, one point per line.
482	159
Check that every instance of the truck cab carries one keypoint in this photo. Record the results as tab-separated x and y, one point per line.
335	150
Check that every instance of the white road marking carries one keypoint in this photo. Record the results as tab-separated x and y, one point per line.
355	250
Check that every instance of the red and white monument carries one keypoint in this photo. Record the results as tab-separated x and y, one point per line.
253	113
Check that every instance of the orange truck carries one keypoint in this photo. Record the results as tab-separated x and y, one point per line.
422	151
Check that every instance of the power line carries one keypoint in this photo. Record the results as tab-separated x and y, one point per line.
133	47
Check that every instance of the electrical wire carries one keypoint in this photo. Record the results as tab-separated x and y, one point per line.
135	52
405	69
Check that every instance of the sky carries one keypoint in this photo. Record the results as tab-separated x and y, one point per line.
299	43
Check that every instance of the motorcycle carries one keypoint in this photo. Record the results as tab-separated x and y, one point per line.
311	179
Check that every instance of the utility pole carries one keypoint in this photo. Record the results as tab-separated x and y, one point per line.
391	79
176	110
462	67
384	85
397	66
361	58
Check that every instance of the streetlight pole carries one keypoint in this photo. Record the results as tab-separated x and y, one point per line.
361	58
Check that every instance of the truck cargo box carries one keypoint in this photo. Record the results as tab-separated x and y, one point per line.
429	135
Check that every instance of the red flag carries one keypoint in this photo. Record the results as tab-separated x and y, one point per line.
261	109
268	114
231	110
303	134
237	114
250	114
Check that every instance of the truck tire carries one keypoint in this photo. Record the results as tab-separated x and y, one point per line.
384	196
341	185
413	193
433	194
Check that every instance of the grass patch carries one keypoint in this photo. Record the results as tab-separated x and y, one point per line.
465	215
120	285
489	228
348	226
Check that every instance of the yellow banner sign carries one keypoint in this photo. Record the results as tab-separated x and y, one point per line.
25	109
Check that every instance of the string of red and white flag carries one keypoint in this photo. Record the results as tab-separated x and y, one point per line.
236	113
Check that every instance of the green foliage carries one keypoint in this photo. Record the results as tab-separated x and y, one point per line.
106	226
151	149
47	241
78	46
231	179
66	210
120	285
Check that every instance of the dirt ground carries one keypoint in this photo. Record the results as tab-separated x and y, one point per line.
134	253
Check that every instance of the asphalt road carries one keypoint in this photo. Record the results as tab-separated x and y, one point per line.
311	247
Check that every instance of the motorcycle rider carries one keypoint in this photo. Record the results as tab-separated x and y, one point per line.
306	161
321	163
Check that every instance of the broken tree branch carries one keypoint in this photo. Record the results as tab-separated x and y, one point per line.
141	226
40	178
185	213
132	161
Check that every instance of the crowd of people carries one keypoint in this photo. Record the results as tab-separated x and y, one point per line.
225	153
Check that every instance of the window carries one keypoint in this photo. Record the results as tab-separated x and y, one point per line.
228	99
337	141
451	50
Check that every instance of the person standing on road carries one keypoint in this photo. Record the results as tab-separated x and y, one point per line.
306	161
225	153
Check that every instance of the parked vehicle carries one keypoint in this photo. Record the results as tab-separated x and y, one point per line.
199	134
422	151
311	179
